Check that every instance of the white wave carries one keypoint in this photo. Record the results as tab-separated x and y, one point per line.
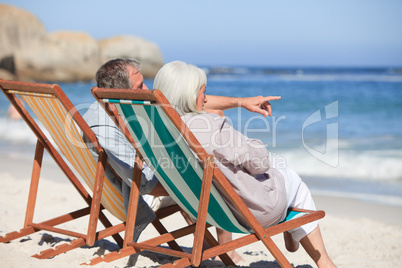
381	165
16	131
341	77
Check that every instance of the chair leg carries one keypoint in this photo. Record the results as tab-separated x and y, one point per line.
14	235
33	189
275	251
96	207
199	234
124	252
162	230
96	200
107	224
133	205
213	243
48	253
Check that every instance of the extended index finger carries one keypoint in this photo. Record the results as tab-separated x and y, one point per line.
269	98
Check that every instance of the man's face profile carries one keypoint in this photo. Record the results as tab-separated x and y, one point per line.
137	79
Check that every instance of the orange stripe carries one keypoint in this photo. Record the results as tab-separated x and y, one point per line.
84	154
80	158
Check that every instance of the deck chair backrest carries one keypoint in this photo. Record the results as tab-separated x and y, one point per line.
166	151
191	177
55	112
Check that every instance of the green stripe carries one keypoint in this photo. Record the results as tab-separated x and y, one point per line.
293	214
174	151
188	173
137	129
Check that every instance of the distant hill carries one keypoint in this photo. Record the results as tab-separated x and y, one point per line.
29	53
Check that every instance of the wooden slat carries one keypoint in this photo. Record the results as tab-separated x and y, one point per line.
105	93
25	86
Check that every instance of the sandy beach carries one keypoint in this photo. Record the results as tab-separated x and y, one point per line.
356	233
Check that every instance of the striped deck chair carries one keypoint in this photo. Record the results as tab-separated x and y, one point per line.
63	122
191	178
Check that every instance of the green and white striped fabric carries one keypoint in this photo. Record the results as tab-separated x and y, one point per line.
293	215
167	154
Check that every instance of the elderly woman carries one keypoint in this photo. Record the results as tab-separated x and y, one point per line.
267	191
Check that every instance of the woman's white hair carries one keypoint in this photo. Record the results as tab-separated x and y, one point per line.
180	83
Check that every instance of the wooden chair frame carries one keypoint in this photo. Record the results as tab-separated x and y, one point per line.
211	173
94	209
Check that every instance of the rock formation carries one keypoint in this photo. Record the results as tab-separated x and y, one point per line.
64	57
28	53
147	53
18	29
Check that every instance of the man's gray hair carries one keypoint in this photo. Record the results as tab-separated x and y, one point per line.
116	73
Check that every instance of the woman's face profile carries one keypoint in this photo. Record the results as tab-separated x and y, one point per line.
201	99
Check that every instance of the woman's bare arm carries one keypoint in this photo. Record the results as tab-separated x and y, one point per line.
258	104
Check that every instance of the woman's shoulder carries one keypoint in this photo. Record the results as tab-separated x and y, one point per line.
204	120
201	116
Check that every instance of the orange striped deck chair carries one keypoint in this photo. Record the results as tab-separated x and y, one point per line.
63	123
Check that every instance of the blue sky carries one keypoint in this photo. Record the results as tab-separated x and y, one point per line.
231	32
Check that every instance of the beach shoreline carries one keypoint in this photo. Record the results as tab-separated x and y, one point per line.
357	233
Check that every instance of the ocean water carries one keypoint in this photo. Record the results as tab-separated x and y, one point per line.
339	128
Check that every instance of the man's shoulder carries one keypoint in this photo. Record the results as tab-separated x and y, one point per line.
95	115
93	108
